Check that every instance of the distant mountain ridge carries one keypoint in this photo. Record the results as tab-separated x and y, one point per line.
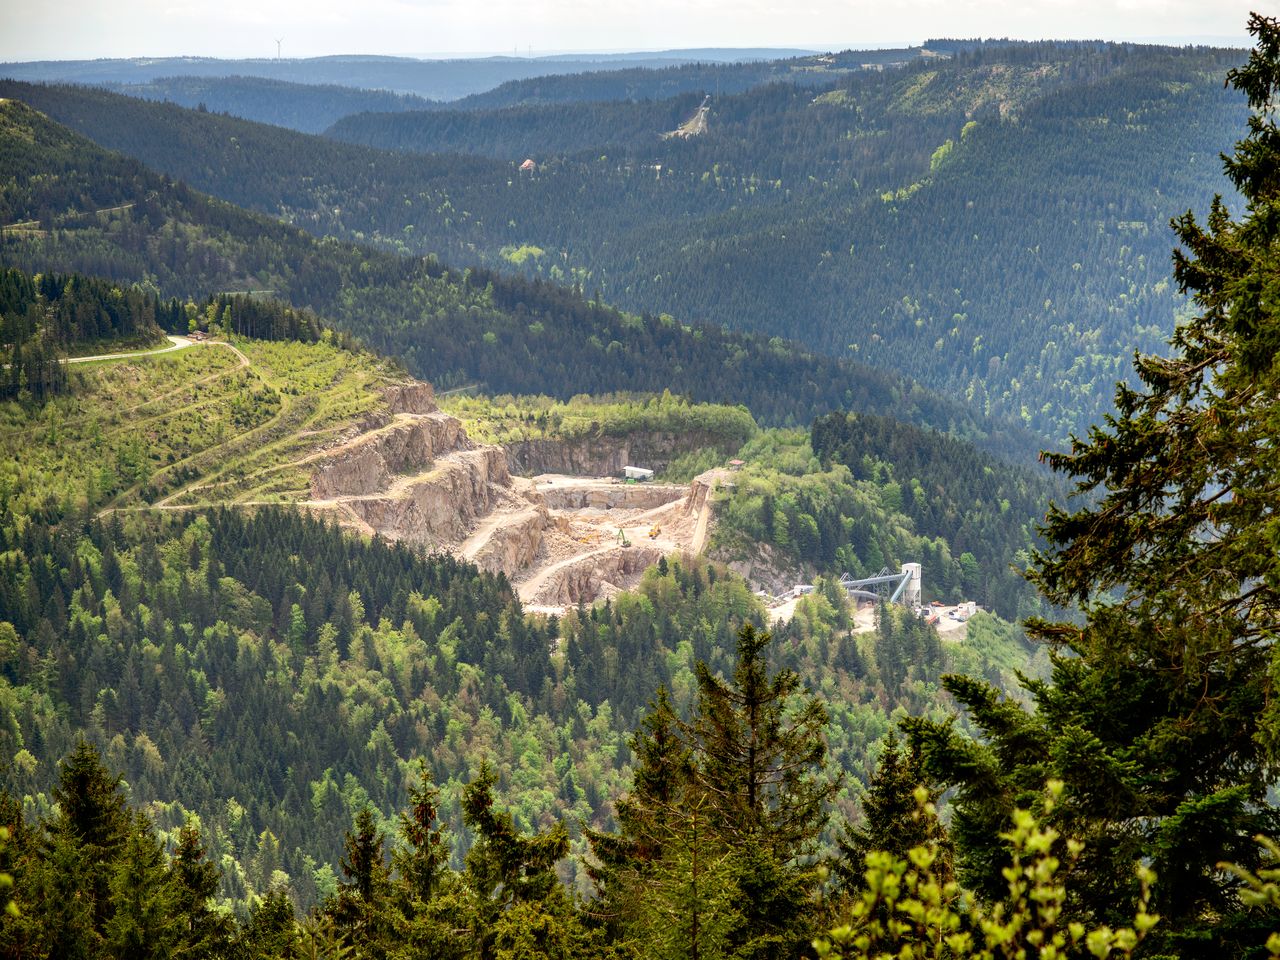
900	216
433	79
85	209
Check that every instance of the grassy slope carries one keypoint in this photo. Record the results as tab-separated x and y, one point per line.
197	426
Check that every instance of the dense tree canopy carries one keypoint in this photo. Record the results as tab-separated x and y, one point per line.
1159	716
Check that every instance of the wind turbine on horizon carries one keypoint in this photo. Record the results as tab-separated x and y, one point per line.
279	40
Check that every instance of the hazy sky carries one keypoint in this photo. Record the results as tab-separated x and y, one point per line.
70	29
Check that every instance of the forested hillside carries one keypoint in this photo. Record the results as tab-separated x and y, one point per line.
519	133
313	105
433	79
115	219
860	492
310	108
899	217
45	318
233	729
198	649
894	216
667	82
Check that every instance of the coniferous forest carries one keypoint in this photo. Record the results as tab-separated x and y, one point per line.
241	718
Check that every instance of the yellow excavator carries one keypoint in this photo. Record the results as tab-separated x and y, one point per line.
654	531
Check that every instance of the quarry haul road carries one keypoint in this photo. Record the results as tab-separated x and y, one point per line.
176	343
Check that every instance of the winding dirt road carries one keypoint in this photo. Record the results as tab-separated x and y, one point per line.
176	343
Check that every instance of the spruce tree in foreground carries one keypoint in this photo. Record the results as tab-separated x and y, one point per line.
1161	716
892	818
715	855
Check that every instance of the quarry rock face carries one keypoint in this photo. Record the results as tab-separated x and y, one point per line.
368	464
514	546
418	478
586	458
699	490
628	496
603	456
416	397
596	576
440	505
411	473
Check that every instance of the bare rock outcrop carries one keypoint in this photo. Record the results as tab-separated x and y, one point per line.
638	496
699	490
439	505
584	458
513	546
416	397
606	456
596	576
369	463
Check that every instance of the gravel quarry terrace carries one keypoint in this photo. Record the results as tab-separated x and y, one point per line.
251	424
561	539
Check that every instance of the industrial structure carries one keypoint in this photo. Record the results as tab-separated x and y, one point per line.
902	587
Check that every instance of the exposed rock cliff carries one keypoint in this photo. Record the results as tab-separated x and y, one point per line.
411	473
629	496
513	546
439	505
368	464
593	577
604	456
416	397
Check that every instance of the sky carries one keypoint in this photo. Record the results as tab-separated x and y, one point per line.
83	29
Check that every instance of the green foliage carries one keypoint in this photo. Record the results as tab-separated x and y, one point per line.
93	879
196	426
779	225
879	493
893	820
112	217
909	906
511	420
1157	715
714	855
980	506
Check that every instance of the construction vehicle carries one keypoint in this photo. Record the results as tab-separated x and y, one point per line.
654	531
622	538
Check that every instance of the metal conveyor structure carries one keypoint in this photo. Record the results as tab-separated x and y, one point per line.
902	587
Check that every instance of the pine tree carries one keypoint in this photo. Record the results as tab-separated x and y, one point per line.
507	870
1162	721
714	855
206	932
760	755
891	816
647	815
92	826
360	908
271	932
431	906
423	860
686	905
145	923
